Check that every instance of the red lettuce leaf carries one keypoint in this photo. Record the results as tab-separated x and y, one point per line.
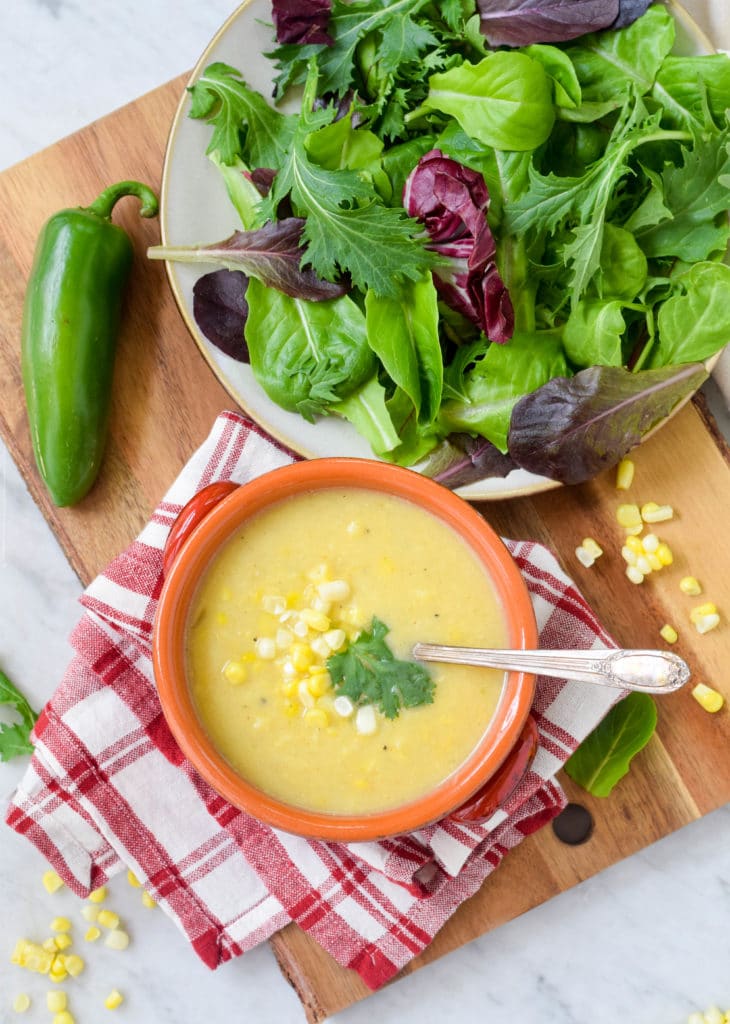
452	201
462	459
630	10
220	310
273	254
302	21
572	429
522	22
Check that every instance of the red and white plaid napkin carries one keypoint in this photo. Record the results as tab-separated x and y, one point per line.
108	788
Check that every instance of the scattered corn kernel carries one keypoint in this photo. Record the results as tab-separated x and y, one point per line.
305	697
74	964
301	657
117	939
315	620
320	605
50	945
133	880
335	639
643	565
147	900
701	610
108	919
265	648
56	1001
706	623
629	516
32	956
664	554
114	999
628	554
98	895
63	941
708	698
52	882
584	556
592	546
320	646
58	971
235	672
634	544
690	585
650	542
318	683
365	721
653	513
21	1003
92	933
714	1015
624	474
64	1017
343	706
634	574
334	590
669	633
60	924
89	913
655	563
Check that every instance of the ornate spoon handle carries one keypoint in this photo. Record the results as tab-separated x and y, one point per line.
649	671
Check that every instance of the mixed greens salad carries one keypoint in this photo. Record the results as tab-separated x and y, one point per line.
489	238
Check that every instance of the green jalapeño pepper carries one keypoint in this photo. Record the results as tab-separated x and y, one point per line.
71	322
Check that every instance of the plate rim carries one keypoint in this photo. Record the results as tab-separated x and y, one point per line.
471	492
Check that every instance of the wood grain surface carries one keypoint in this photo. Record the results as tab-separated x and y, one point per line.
165	400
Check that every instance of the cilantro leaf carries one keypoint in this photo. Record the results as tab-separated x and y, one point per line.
367	672
14	739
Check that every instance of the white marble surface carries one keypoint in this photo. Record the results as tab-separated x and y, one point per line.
646	941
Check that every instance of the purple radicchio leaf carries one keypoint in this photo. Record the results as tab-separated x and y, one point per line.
273	254
572	429
452	200
302	21
522	22
462	459
220	310
630	10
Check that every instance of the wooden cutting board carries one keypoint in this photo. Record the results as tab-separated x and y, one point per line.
165	401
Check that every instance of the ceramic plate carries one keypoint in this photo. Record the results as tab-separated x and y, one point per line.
195	209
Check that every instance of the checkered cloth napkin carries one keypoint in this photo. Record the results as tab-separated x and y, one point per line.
108	788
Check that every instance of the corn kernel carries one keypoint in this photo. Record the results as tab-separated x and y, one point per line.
74	965
315	620
696	1018
64	1017
634	574
335	639
334	590
50	945
289	689
629	516
108	919
365	720
316	717
305	697
52	882
343	706
690	585
114	999
653	513
708	698
318	683
235	672
320	647
320	605
133	880
585	557
705	623
265	648
300	629
283	639
701	610
21	1002
56	1001
89	913
147	900
629	556
98	895
669	633
655	562
92	933
63	941
664	554
649	543
274	604
714	1015
624	474
117	939
60	924
634	544
301	657
591	546
32	956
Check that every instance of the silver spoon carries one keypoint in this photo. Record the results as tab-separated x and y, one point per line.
648	671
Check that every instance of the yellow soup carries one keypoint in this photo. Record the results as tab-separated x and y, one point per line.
298	583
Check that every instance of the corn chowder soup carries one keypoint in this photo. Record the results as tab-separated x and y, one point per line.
306	579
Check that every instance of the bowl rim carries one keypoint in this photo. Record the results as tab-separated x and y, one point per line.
180	586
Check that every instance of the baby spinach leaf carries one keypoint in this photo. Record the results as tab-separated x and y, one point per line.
593	332
403	334
560	69
498	381
307	356
15	737
693	91
623	269
570	430
614	65
694	323
604	756
367	410
519	22
504	101
368	672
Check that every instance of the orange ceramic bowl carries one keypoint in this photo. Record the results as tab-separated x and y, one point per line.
472	792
